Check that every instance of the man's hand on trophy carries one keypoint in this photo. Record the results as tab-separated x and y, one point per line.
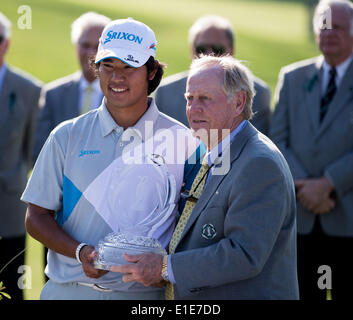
87	256
144	268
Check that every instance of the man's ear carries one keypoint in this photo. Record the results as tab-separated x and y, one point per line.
239	101
154	71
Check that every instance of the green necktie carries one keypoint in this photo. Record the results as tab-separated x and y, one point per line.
196	190
87	99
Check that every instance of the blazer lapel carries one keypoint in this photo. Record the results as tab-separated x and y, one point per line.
313	93
5	88
6	91
236	148
73	95
342	97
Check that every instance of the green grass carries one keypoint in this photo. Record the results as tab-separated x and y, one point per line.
34	259
269	35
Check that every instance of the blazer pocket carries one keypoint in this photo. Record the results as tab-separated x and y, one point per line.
197	290
14	124
211	224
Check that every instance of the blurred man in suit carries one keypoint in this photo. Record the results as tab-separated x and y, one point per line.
313	127
210	35
76	93
236	237
19	95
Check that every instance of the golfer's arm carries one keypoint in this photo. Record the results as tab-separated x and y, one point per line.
41	225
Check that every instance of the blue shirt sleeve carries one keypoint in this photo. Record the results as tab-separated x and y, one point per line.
170	270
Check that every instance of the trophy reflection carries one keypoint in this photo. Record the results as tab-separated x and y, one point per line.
110	250
137	200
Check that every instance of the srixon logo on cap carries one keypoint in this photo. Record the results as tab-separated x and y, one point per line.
111	35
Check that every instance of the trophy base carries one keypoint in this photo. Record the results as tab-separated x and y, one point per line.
110	254
101	266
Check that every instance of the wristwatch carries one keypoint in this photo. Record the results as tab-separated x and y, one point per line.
164	272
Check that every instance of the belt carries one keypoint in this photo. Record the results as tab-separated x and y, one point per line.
95	286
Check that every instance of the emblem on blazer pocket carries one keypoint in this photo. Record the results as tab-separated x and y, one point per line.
209	231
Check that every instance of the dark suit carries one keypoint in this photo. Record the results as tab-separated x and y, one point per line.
171	101
18	108
252	252
313	149
60	103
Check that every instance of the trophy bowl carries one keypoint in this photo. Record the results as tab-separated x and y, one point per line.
136	200
110	250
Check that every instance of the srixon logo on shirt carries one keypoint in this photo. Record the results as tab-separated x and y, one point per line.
111	35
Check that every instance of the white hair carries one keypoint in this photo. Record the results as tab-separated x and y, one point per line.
6	26
211	21
322	7
88	19
236	77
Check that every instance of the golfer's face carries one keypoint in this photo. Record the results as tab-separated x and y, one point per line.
123	86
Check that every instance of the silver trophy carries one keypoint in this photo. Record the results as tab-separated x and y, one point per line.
135	198
111	249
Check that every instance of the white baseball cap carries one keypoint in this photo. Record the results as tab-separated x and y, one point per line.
128	40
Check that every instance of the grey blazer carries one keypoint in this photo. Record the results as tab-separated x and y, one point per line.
18	109
171	101
240	240
312	149
60	102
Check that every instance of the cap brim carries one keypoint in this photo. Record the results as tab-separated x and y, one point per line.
130	57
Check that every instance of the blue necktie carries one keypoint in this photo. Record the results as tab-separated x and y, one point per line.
328	96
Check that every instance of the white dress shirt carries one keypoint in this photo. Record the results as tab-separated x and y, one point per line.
340	69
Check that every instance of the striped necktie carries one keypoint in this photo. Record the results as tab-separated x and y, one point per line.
87	99
195	193
329	94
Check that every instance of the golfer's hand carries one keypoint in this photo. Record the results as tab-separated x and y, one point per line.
87	255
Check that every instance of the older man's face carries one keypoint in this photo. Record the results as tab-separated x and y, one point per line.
208	107
336	44
4	44
212	41
86	48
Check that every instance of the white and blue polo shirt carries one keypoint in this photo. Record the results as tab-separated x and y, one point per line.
74	155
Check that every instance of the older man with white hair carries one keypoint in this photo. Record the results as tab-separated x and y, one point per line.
235	238
312	125
77	93
19	95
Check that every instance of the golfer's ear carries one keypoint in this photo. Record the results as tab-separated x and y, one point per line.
153	72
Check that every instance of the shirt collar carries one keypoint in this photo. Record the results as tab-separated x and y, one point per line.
3	70
219	149
340	69
143	128
84	84
107	122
